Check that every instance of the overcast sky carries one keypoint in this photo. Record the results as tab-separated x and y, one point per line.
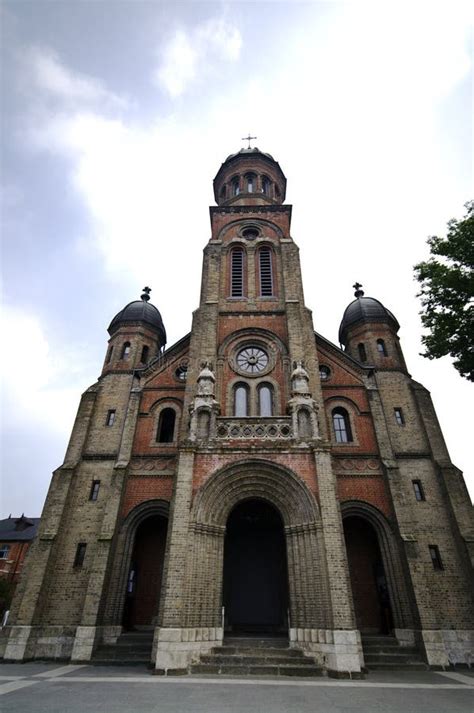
117	116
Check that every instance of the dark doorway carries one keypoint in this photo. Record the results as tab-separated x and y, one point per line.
369	584
255	570
142	597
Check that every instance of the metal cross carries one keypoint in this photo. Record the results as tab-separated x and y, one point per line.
146	294
358	291
248	138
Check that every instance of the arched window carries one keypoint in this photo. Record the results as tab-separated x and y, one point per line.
266	272
126	351
241	400
237	273
250	182
266	185
109	355
235	186
145	354
362	352
342	425
381	348
265	400
166	423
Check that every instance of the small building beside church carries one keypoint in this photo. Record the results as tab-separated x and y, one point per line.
252	479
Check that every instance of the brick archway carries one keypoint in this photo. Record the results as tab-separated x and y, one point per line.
390	557
114	608
299	511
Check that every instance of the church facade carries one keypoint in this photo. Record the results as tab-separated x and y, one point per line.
253	479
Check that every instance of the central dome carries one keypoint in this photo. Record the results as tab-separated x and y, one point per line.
139	311
365	309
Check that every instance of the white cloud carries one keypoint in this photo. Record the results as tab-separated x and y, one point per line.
53	78
189	54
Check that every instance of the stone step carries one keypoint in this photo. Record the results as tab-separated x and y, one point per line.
254	642
395	650
120	662
244	660
391	658
264	652
406	666
257	670
379	641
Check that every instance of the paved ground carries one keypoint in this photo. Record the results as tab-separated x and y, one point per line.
49	688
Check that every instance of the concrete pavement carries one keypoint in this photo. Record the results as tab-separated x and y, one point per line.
53	688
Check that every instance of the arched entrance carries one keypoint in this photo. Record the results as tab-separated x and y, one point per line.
255	592
144	578
370	589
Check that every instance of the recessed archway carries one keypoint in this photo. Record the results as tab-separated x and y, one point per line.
255	590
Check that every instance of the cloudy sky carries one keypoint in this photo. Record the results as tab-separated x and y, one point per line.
116	117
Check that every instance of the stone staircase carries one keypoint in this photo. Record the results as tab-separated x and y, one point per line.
133	648
384	653
256	657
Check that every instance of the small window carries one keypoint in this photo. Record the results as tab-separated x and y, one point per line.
324	372
166	423
4	552
418	489
362	352
110	420
265	400
223	193
235	187
241	400
94	493
181	372
80	554
436	560
381	348
250	183
109	355
126	351
342	426
266	273
399	417
145	354
266	185
237	273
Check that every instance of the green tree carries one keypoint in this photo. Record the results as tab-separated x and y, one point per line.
447	294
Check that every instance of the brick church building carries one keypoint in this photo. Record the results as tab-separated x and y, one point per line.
253	479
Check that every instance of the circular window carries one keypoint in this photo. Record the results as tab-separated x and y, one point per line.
250	233
181	372
324	372
252	360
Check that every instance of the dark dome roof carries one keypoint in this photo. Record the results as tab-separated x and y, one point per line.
365	309
139	311
244	152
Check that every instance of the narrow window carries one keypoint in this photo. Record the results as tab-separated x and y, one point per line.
235	187
362	352
342	426
145	353
418	488
436	560
94	493
265	185
109	355
250	180
110	420
399	417
131	581
223	193
4	552
166	423
265	400
241	400
126	351
381	348
237	273
80	554
266	276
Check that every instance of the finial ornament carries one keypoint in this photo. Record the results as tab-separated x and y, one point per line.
358	292
146	294
249	139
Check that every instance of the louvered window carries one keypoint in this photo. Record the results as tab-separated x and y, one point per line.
266	276
237	273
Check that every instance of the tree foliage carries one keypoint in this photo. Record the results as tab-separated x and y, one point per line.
447	294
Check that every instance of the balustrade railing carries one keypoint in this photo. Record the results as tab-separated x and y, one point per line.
268	428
